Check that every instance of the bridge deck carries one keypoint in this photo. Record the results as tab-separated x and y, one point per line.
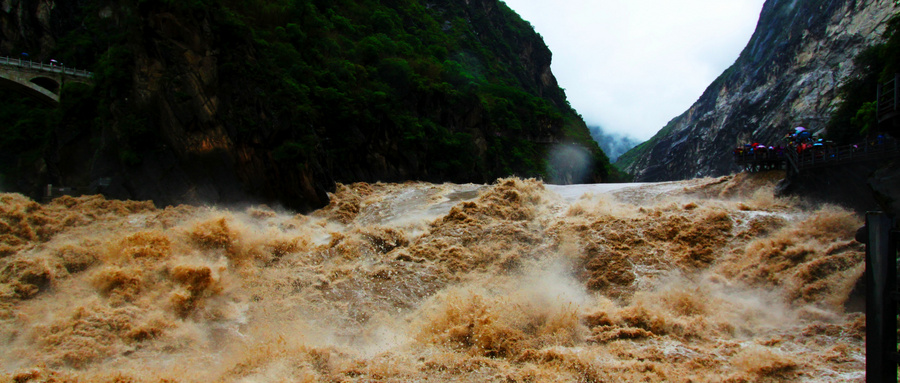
52	68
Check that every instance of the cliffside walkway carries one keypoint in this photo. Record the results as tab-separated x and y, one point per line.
819	157
39	80
759	160
841	155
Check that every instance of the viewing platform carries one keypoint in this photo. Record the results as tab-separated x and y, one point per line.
804	153
817	156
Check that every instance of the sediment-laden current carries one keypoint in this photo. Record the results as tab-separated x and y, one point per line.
709	280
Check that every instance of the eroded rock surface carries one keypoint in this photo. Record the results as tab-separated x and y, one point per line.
786	76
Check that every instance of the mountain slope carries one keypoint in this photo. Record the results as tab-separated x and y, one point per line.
274	101
786	76
613	144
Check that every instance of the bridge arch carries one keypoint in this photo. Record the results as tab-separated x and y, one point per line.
30	89
39	80
47	83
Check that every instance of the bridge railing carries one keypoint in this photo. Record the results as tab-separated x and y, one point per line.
52	67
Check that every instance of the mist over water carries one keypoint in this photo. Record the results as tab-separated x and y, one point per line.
707	280
569	164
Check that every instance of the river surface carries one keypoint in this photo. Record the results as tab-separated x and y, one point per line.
707	280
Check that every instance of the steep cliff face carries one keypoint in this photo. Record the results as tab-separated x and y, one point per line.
226	101
786	76
159	131
27	26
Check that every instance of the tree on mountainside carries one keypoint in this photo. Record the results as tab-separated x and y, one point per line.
355	90
855	117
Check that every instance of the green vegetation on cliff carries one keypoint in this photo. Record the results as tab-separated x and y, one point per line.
855	117
365	90
23	135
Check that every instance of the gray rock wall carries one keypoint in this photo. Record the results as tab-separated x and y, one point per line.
786	76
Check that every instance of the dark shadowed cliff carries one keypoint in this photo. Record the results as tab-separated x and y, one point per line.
788	75
273	101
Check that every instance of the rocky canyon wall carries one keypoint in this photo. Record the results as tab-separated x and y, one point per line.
786	76
221	101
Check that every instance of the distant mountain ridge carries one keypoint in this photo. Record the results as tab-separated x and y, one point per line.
613	144
786	76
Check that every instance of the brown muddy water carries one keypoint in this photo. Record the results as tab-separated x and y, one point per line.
709	280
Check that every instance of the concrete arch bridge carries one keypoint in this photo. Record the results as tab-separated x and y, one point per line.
39	80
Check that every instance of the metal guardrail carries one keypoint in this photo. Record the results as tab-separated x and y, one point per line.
53	68
758	160
827	156
816	157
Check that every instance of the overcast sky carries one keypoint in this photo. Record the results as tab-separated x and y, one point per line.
630	66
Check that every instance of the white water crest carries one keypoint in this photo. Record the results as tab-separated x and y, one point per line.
704	280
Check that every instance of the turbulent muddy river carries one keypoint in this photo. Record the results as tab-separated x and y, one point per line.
708	280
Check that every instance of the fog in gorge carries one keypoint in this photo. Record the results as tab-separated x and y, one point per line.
613	144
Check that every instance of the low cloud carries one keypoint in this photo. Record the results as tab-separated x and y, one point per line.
613	144
633	66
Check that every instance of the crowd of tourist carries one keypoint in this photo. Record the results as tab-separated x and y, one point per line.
808	147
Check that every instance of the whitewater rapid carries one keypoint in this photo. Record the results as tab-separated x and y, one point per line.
705	280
